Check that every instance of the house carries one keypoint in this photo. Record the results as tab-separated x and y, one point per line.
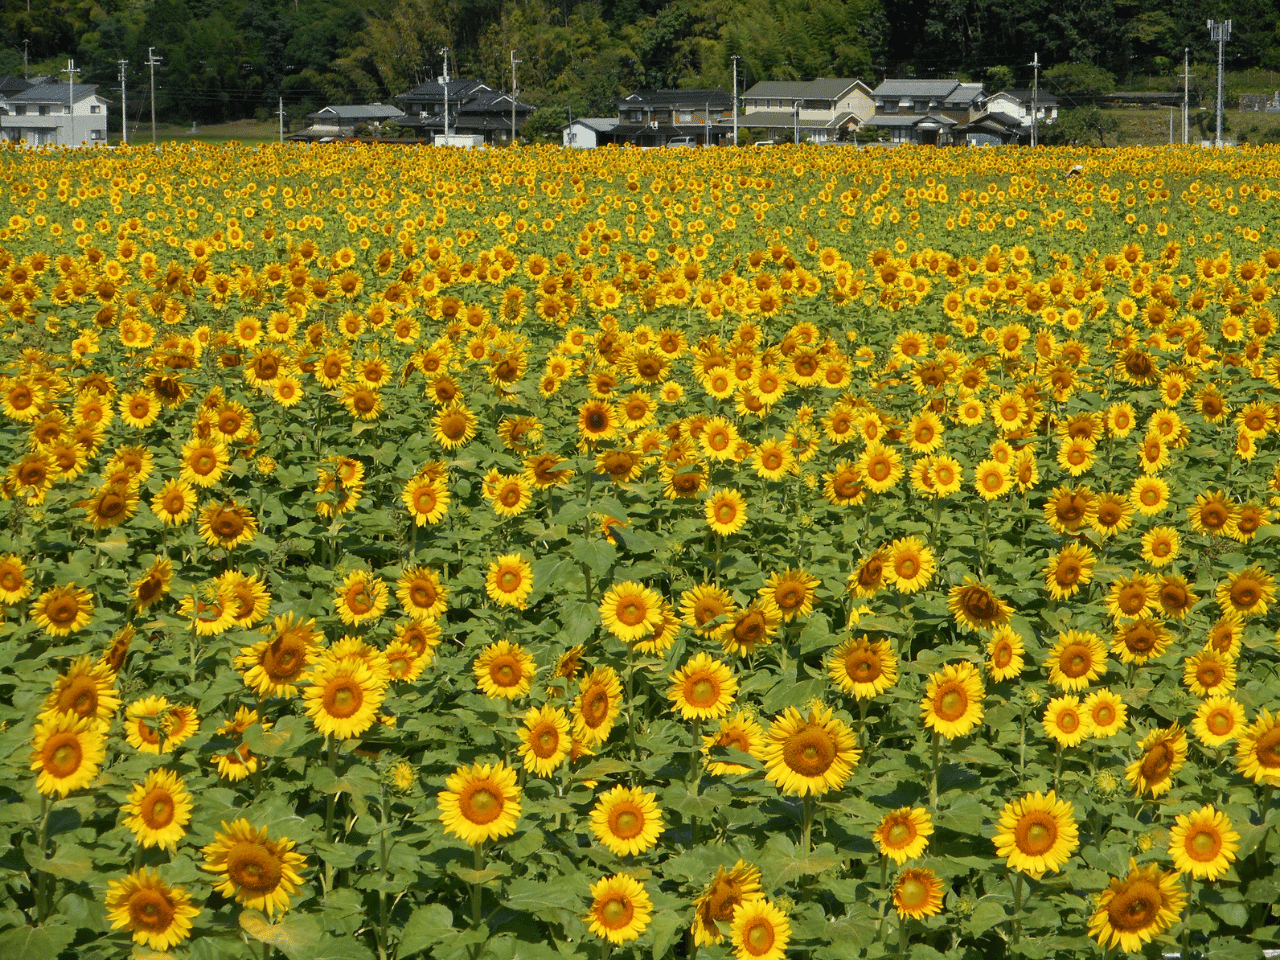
924	111
1005	117
342	121
587	132
1017	104
820	111
653	118
44	114
475	109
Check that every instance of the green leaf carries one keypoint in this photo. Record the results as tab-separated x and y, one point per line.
598	556
425	929
1235	914
294	934
985	915
69	863
664	929
36	943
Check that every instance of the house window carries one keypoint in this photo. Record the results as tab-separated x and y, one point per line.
22	110
95	108
44	111
684	116
890	106
922	106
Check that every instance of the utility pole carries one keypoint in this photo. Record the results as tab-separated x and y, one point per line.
1035	96
124	107
282	119
735	58
795	110
1220	33
515	91
71	72
26	44
152	60
445	51
1186	95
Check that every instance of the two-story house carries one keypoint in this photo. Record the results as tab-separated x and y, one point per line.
475	109
44	114
820	111
924	111
1005	118
654	118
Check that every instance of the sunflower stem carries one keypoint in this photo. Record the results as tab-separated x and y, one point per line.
42	835
1016	931
902	937
1186	920
694	769
884	890
1057	767
1267	795
863	739
330	808
806	827
933	778
475	887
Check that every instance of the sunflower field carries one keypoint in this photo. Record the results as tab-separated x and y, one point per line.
526	554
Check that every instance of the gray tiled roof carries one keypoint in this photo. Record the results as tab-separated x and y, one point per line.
933	89
678	98
909	120
53	93
358	111
598	124
825	88
1024	96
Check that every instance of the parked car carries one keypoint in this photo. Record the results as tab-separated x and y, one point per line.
682	142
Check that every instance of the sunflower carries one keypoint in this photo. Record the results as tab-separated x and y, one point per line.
741	732
175	503
627	820
903	834
227	525
870	575
273	667
909	564
1068	509
717	904
481	802
864	668
597	705
1037	834
152	585
1135	910
881	467
1160	545
975	607
504	670
87	690
1258	750
1212	514
1140	641
61	611
726	511
706	610
760	931
509	581
630	611
1065	722
454	426
1163	754
952	703
751	628
1076	660
1203	844
703	689
204	462
792	591
421	594
111	505
1149	495
1105	712
342	697
1225	635
360	597
1005	652
157	915
1247	593
991	479
1219	720
544	740
620	908
258	872
810	755
140	409
598	421
1209	672
67	752
427	500
158	810
14	583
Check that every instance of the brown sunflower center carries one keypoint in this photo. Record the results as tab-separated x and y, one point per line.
544	742
900	833
1158	762
1135	907
595	706
150	910
616	912
1076	660
480	803
1266	749
626	820
284	658
342	697
1203	844
62	610
810	751
62	754
863	665
505	671
157	809
79	696
254	868
1036	834
758	937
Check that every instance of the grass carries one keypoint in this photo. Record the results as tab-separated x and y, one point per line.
245	131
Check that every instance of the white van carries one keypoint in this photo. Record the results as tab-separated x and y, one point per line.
682	142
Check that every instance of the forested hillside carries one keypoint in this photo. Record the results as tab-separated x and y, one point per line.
224	59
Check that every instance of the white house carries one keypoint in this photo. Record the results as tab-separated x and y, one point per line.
1017	104
822	110
44	114
587	132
